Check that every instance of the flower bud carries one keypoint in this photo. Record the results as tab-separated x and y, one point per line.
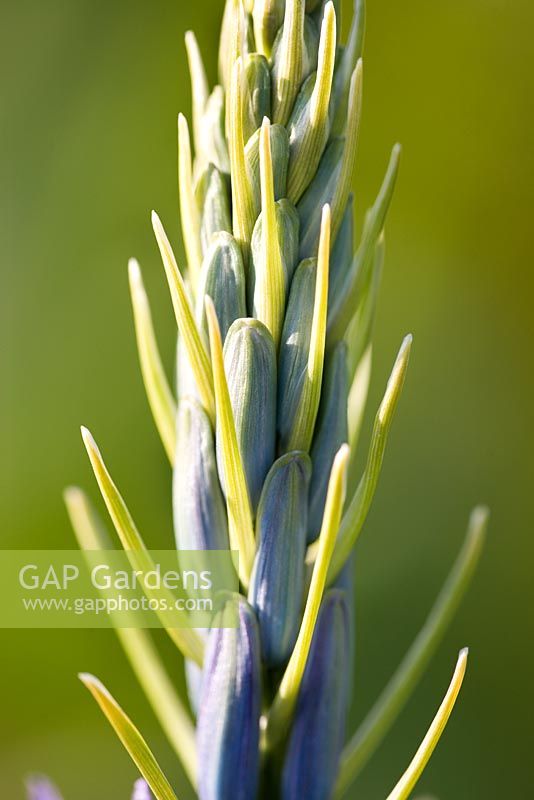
280	159
214	200
229	713
257	103
316	738
199	510
309	50
320	192
331	431
288	240
277	578
250	365
268	16
223	279
294	347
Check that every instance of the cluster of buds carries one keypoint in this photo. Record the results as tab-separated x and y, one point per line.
275	312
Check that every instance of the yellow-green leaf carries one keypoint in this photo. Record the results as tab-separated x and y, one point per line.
160	398
186	639
138	645
198	357
130	737
406	784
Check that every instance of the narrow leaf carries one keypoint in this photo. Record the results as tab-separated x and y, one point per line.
138	645
344	306
399	689
356	513
406	784
189	211
341	195
240	528
286	697
198	357
349	58
130	737
162	403
187	640
199	88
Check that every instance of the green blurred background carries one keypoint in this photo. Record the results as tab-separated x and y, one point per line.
90	92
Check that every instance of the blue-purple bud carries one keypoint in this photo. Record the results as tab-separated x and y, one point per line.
223	279
320	192
229	713
199	510
250	365
277	578
294	347
316	738
342	252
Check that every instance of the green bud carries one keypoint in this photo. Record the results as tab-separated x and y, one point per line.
294	347
310	48
280	158
320	191
223	279
250	366
214	200
267	16
257	103
309	124
331	432
288	239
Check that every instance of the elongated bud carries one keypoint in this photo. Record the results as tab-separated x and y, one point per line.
222	279
310	49
198	506
303	422
214	200
267	16
320	191
229	713
213	144
277	579
280	159
309	125
316	738
330	433
257	101
40	788
294	346
250	366
287	226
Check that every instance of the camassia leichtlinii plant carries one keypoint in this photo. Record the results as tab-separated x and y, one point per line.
275	309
